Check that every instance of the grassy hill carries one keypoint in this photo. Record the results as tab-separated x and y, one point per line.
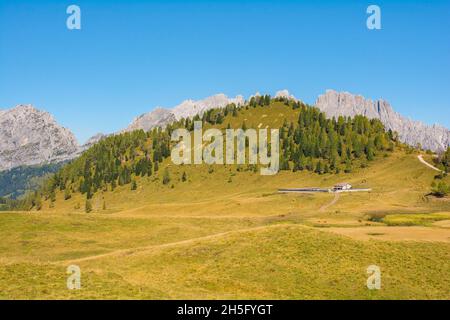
224	232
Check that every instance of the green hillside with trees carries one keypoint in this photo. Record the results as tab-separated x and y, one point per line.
309	141
139	226
18	181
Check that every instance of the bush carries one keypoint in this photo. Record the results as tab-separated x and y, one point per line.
67	194
88	206
440	189
166	176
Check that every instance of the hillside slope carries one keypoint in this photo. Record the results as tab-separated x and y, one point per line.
414	133
309	142
224	232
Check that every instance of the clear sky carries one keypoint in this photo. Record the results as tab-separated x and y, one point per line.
131	56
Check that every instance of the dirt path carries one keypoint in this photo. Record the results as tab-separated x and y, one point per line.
136	250
335	199
420	157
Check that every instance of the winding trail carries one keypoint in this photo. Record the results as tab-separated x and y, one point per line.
144	249
420	157
335	199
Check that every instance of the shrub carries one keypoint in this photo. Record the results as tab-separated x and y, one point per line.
166	176
88	206
441	189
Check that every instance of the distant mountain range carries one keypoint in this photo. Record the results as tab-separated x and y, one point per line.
29	136
160	117
334	104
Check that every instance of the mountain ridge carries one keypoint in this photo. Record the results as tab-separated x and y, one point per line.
434	137
160	117
29	136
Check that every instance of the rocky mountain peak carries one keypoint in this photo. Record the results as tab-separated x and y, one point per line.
190	108
160	117
334	104
285	94
30	136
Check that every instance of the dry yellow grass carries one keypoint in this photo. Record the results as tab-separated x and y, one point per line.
211	238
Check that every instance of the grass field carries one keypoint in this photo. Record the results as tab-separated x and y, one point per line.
206	238
224	234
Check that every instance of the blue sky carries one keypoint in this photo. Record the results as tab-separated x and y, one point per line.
131	56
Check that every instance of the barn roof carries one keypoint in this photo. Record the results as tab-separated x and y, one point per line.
343	184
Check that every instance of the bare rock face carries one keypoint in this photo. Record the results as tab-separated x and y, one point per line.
91	141
157	118
161	117
29	136
335	104
285	95
190	108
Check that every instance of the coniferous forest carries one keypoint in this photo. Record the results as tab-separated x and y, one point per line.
313	143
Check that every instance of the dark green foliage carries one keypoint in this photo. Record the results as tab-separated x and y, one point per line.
111	162
88	206
443	160
441	189
330	141
312	143
166	176
133	185
67	194
17	181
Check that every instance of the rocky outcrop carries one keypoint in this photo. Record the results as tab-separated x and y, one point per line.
190	108
334	104
161	117
29	136
285	95
91	141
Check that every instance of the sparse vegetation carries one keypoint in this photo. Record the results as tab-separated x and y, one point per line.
443	161
440	189
166	176
414	219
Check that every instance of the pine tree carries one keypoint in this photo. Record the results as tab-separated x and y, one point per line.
244	126
441	189
52	196
166	176
67	194
88	206
319	168
348	166
38	202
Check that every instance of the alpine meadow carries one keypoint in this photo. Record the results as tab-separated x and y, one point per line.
139	226
224	159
